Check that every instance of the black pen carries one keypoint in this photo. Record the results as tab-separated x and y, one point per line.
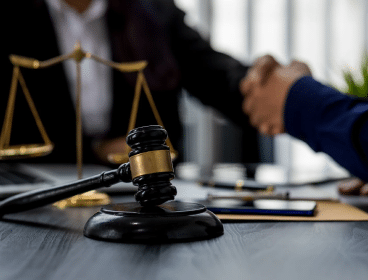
239	185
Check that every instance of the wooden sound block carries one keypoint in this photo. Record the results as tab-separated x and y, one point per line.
169	222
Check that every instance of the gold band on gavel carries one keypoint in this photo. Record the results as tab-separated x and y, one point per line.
150	162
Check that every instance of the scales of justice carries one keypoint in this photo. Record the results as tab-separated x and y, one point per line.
8	151
155	216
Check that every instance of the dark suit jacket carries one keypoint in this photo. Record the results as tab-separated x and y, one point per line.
153	30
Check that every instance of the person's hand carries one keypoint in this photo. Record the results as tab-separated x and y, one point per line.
258	74
353	187
265	92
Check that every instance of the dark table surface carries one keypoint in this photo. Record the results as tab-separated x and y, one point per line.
48	243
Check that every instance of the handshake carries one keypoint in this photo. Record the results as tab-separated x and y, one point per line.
265	89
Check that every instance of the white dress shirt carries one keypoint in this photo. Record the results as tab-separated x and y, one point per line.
90	29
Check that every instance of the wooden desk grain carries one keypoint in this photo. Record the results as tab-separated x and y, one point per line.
48	243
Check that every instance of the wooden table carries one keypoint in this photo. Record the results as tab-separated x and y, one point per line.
48	243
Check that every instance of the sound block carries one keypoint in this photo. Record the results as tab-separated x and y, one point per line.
169	222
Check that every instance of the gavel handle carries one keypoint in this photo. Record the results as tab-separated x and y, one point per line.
37	198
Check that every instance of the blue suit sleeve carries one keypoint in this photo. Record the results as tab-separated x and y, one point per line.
330	122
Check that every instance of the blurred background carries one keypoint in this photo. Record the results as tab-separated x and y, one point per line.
331	36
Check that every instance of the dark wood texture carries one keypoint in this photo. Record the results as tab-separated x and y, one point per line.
48	243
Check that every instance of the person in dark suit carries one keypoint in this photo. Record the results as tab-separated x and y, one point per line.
152	30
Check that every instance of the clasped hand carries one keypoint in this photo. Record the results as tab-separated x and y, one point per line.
265	89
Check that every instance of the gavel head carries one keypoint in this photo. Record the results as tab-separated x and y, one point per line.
150	165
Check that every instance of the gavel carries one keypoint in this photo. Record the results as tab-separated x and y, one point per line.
149	167
153	217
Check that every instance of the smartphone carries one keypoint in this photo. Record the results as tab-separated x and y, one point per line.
261	206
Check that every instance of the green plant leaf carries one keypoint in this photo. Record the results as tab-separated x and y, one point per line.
354	88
